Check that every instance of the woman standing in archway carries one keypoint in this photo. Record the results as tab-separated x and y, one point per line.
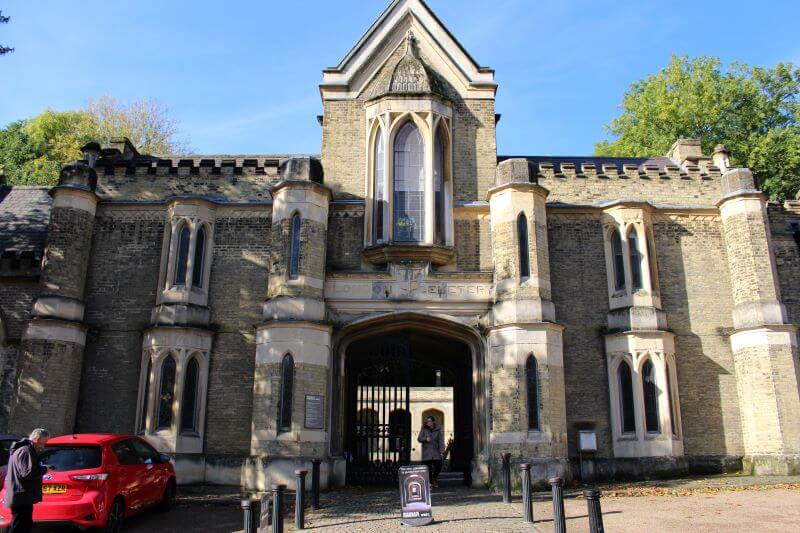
432	438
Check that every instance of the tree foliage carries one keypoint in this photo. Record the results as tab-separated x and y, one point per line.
33	151
754	111
4	49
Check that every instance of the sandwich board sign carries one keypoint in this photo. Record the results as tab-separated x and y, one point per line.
415	496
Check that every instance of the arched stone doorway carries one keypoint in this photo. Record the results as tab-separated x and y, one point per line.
380	365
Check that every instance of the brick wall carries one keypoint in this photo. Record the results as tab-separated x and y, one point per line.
67	252
345	238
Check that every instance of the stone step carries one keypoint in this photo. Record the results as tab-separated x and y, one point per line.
451	479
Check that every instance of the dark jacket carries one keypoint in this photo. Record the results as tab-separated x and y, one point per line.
432	450
24	476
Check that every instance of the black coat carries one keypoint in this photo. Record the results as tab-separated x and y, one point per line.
24	476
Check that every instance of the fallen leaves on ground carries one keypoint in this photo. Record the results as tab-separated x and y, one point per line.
616	491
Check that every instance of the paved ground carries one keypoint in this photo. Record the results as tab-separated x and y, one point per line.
715	505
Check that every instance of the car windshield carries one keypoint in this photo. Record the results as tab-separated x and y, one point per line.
63	458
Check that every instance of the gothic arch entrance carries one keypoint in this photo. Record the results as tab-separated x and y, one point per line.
388	367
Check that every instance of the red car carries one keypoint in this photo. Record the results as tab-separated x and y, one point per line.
97	480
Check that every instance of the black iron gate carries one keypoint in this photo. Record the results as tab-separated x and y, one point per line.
380	415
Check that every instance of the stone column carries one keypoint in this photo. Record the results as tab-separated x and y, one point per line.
764	344
522	325
294	323
51	354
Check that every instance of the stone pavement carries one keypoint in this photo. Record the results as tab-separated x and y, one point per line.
717	505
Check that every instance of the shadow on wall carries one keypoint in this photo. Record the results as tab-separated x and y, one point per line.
695	293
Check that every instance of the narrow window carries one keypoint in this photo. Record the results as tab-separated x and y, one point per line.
166	395
532	378
294	248
380	189
146	397
189	400
651	261
199	257
626	398
636	259
619	261
438	184
650	390
673	412
182	255
524	251
409	180
287	384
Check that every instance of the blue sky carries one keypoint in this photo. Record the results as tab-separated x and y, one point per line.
242	76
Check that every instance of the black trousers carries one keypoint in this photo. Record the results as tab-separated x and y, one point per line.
21	519
434	468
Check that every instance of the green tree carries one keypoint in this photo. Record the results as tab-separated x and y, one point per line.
33	151
754	111
4	49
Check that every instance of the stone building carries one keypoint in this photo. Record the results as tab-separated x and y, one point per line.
238	311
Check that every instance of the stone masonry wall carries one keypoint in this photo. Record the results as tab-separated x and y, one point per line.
312	256
473	243
67	252
345	238
120	294
696	295
236	294
580	295
787	256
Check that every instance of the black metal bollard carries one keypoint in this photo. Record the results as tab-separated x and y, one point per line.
249	517
559	518
506	477
595	513
527	500
277	508
300	499
315	484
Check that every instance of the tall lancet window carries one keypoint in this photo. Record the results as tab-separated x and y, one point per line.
438	186
636	259
524	249
619	261
199	257
294	247
650	389
380	189
166	393
626	397
409	185
182	255
532	382
287	386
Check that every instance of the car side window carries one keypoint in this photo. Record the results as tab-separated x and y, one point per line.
147	455
125	453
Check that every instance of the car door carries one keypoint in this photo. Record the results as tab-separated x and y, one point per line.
152	481
131	474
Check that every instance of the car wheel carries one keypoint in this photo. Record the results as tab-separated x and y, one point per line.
169	496
116	517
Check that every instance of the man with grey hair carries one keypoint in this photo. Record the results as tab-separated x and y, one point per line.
24	479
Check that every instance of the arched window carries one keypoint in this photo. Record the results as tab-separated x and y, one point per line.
199	257
189	400
524	250
182	255
532	379
650	390
636	259
287	384
673	412
626	398
294	248
409	189
619	261
146	397
380	189
438	185
166	393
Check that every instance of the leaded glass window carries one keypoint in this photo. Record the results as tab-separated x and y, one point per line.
189	400
636	259
166	393
287	386
438	186
532	381
146	397
182	255
524	250
294	246
627	414
380	189
650	389
199	257
619	261
409	185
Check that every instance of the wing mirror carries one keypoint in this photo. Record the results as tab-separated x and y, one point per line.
164	458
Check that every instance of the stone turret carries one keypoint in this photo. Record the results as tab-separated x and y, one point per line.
294	334
53	341
522	326
764	343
